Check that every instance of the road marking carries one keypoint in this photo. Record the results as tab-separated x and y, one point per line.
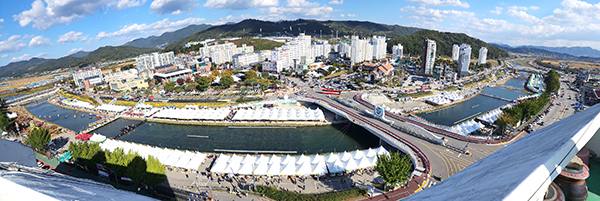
445	164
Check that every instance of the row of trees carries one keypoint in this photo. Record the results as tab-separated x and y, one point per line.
523	111
39	138
148	171
552	80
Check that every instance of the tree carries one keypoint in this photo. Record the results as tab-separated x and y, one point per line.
331	69
180	81
169	86
203	83
552	81
226	81
216	73
87	153
250	75
394	168
264	74
39	138
190	86
136	169
155	172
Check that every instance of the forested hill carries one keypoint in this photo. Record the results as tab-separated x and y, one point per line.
252	27
168	37
413	44
103	54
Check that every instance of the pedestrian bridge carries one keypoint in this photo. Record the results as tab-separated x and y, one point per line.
524	169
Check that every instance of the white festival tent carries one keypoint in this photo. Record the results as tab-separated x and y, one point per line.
169	157
300	165
220	164
112	108
247	165
193	114
276	114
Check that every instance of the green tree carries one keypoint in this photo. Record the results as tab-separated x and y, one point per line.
552	81
250	75
203	83
168	86
118	160
87	153
190	86
264	74
39	138
331	69
155	172
136	169
394	168
226	81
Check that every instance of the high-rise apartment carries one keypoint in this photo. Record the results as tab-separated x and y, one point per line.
428	56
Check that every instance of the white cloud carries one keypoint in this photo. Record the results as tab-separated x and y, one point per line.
71	36
39	41
123	4
497	10
337	2
456	3
231	18
47	13
43	54
431	15
158	27
21	58
352	15
174	7
342	15
298	9
4	56
534	7
74	50
1	20
575	12
239	4
13	44
520	14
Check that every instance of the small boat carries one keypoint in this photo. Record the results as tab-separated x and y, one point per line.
44	116
90	117
50	117
74	116
42	107
82	115
77	112
58	115
66	117
55	110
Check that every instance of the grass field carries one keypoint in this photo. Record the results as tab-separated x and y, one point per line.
573	64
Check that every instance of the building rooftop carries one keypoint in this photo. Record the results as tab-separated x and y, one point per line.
173	73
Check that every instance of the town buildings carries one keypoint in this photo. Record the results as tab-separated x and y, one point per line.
482	55
147	62
221	53
464	59
88	78
381	70
397	50
428	56
379	47
455	50
128	84
173	76
361	50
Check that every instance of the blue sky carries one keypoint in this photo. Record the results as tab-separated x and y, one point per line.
55	28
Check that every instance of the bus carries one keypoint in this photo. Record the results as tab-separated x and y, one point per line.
331	93
332	90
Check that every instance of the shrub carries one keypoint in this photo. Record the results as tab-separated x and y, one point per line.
277	194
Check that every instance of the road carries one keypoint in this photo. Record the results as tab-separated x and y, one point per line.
444	162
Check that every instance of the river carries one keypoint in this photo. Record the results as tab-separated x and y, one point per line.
310	140
477	105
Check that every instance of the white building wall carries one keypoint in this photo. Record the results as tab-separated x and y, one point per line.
80	76
464	59
428	59
482	55
455	52
379	47
398	50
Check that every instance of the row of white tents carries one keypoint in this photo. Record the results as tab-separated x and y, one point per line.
301	165
438	100
492	116
279	114
453	96
77	103
111	108
193	114
466	128
169	157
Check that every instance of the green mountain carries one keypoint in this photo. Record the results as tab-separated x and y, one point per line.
167	37
103	54
252	27
413	44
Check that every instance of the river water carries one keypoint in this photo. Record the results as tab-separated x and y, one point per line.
310	140
477	105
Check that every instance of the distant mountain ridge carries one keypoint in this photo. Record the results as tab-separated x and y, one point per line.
102	54
563	52
252	27
167	37
79	54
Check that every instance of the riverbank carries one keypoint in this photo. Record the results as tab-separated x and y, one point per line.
224	123
487	84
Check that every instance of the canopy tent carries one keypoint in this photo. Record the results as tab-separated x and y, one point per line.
357	155
316	159
247	165
350	165
84	136
345	156
304	168
184	159
370	153
261	167
320	168
220	164
196	161
288	169
288	159
233	165
111	108
335	166
97	138
173	158
364	162
277	114
275	166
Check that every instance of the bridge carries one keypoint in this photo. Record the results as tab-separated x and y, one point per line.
496	97
32	97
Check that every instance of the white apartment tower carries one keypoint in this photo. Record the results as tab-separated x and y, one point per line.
482	55
398	50
361	50
147	62
379	47
428	56
464	59
455	50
